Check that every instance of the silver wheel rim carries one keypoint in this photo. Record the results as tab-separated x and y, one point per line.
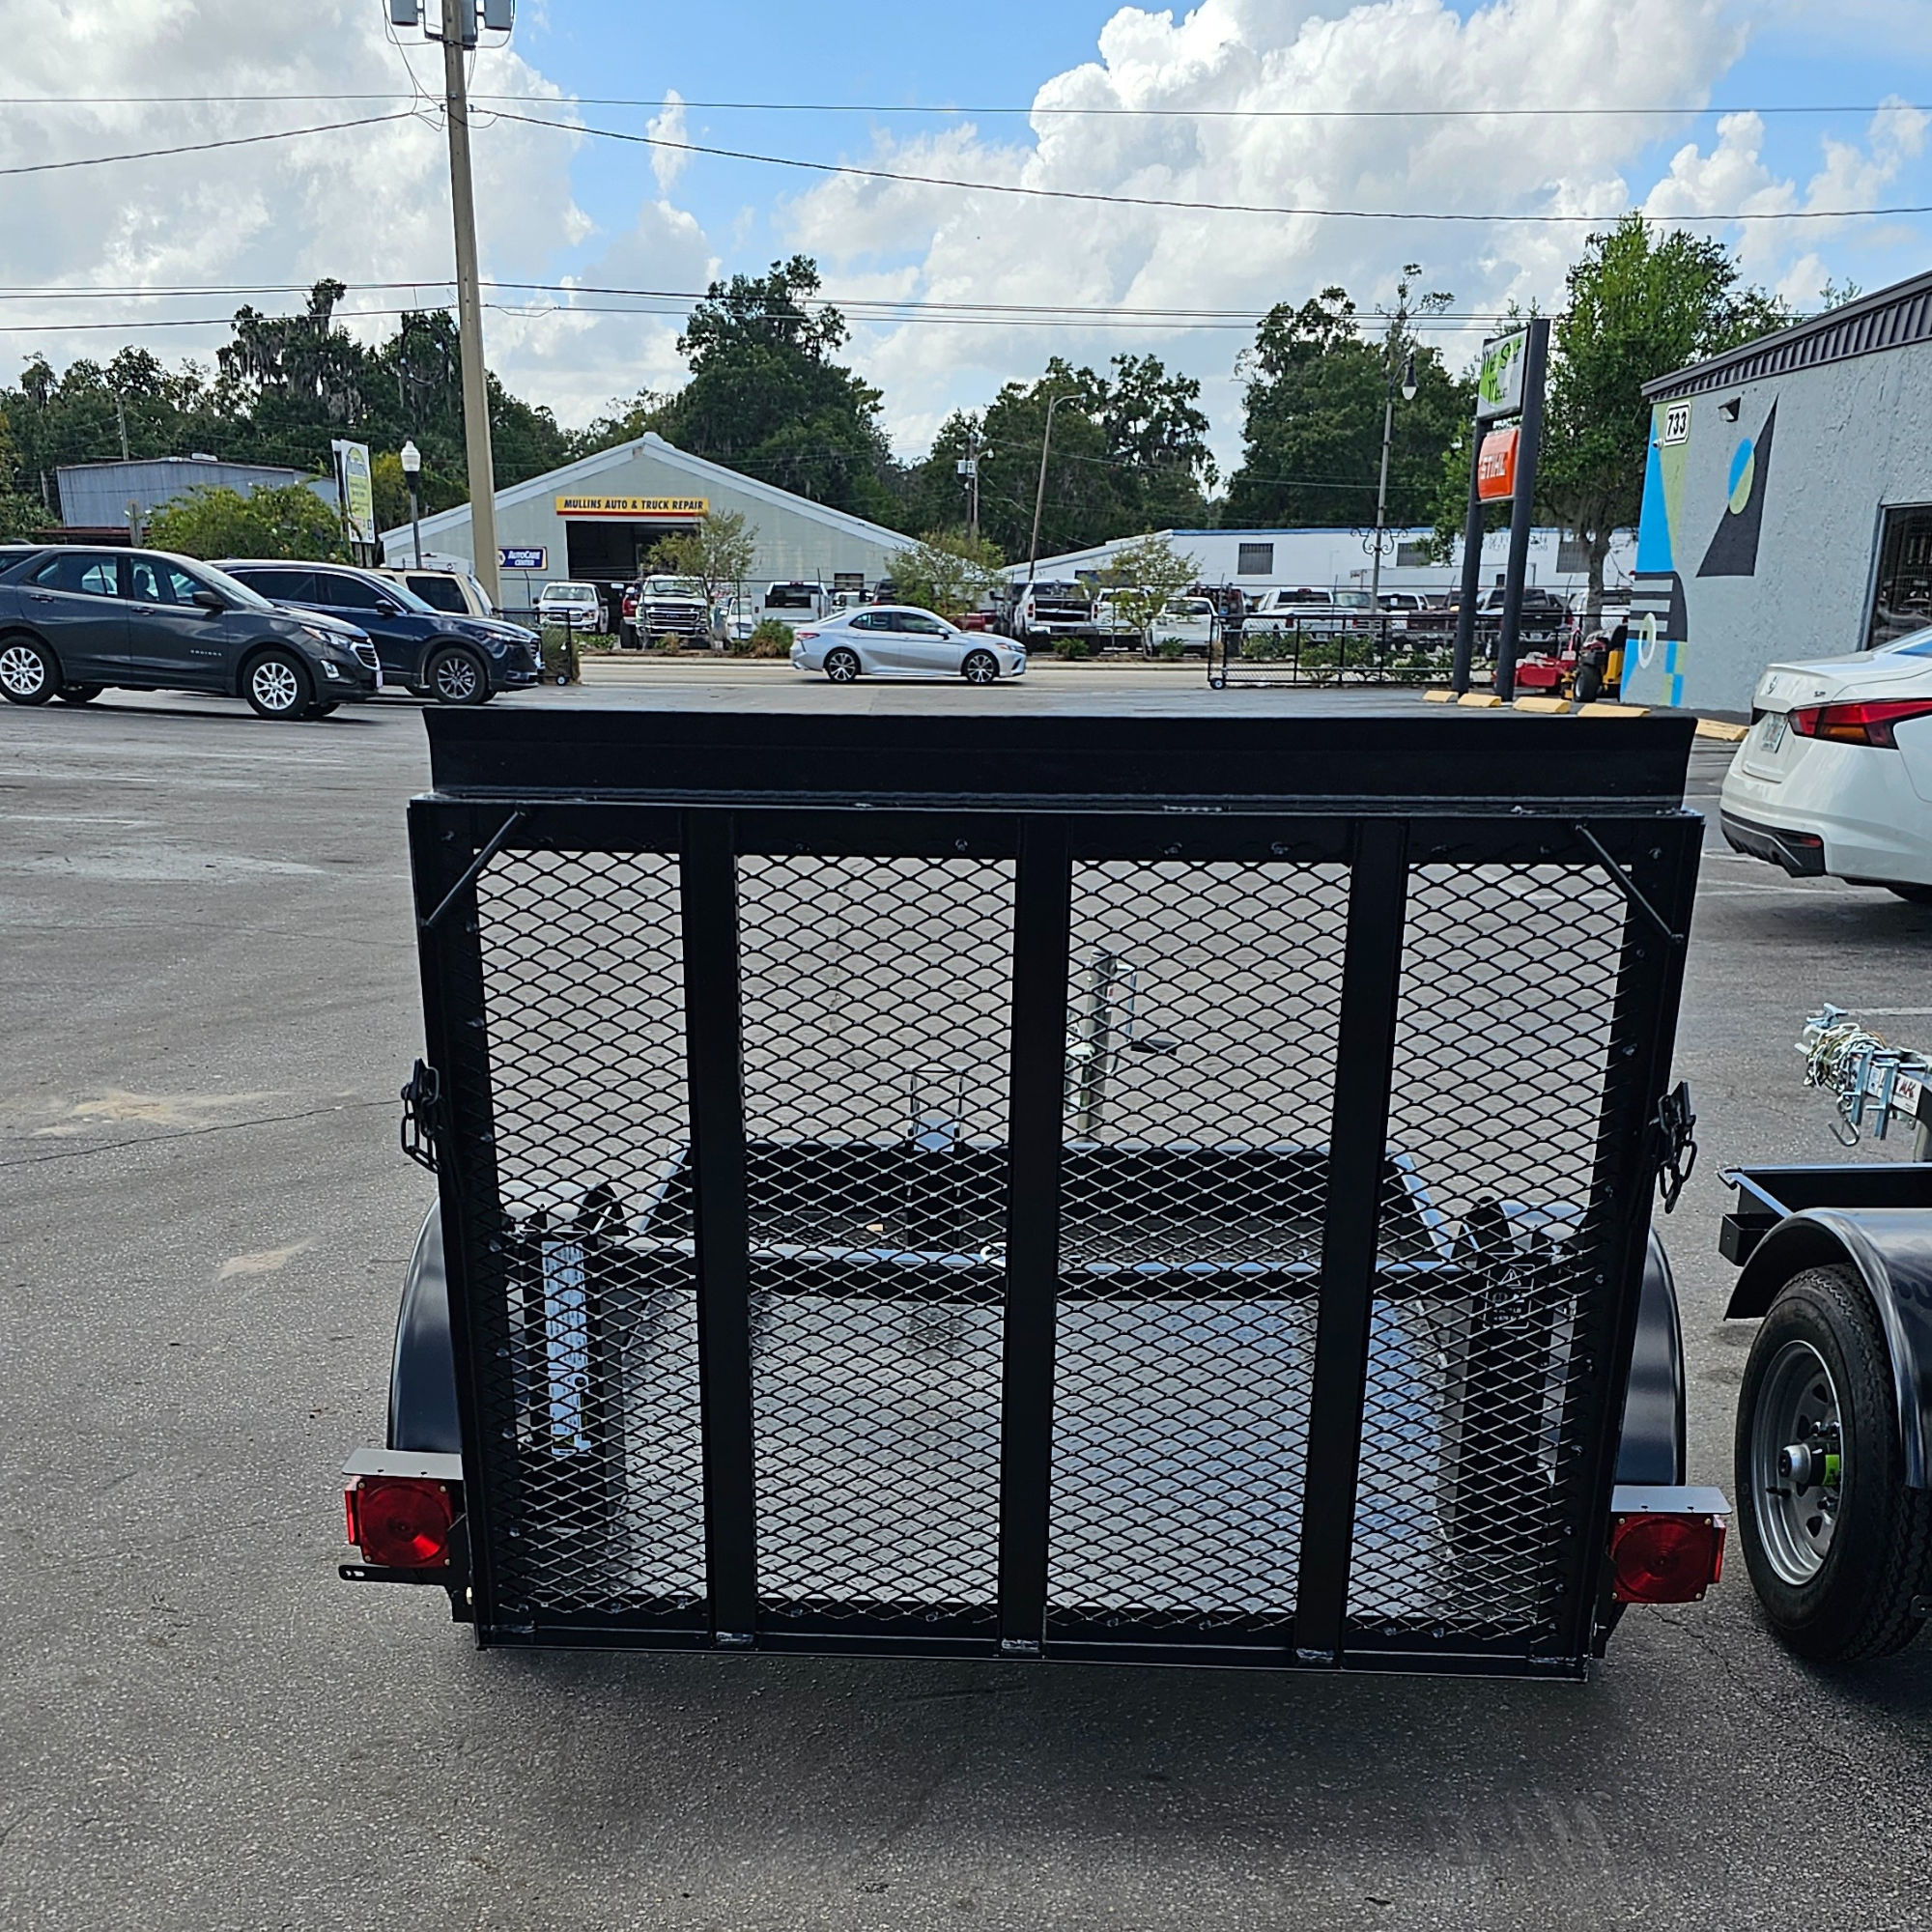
22	670
274	685
456	679
841	667
981	669
1798	1469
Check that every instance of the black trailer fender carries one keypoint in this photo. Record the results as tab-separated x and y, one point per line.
1651	1450
1891	1249
422	1377
423	1374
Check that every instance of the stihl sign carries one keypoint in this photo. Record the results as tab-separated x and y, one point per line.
1496	467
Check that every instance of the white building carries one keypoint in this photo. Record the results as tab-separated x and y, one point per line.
1258	560
594	522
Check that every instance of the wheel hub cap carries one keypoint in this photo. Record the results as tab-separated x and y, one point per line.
1798	1462
275	685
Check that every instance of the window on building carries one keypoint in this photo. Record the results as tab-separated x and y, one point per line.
1255	560
1902	596
1411	556
1572	557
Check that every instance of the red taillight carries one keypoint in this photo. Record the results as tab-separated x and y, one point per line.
1867	723
805	637
1665	1559
401	1522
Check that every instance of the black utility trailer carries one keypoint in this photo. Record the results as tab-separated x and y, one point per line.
1155	1189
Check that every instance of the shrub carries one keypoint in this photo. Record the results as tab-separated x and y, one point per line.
770	639
1170	649
1268	646
1070	647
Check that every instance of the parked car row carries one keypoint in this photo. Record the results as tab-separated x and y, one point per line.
294	639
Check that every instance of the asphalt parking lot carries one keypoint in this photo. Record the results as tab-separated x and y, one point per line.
203	1225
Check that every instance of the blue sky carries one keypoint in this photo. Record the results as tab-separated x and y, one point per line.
127	252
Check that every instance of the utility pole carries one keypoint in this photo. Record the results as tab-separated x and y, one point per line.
1039	489
121	417
969	468
456	29
1382	485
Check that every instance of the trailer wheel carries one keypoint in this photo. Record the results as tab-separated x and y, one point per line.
1836	1545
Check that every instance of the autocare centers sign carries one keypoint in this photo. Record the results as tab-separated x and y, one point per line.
636	509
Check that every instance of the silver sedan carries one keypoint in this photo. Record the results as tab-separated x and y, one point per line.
899	640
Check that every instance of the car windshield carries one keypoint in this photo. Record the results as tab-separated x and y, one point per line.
234	588
567	593
671	587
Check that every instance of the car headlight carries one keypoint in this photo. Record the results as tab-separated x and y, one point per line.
327	639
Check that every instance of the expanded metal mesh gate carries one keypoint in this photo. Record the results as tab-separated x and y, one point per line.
1044	1224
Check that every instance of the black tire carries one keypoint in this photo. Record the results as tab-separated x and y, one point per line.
455	677
324	708
276	685
841	666
29	673
981	668
1837	1561
1913	894
79	693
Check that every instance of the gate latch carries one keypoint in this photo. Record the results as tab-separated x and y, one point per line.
422	1115
1676	1142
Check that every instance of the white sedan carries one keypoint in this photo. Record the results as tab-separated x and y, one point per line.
898	640
1836	776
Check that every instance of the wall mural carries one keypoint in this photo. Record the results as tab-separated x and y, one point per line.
1659	644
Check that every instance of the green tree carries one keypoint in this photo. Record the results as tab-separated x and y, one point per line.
1640	305
946	572
718	553
1144	576
1315	398
766	396
1129	453
287	522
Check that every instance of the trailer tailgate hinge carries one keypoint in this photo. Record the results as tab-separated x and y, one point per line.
1676	1142
422	1115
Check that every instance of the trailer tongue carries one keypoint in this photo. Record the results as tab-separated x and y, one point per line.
1155	1189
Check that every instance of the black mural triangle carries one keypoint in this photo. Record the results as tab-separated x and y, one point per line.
1733	551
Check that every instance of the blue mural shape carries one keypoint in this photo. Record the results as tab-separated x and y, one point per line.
1733	551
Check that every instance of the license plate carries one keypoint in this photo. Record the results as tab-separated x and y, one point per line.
1774	729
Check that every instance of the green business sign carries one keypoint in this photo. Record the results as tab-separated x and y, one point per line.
1499	386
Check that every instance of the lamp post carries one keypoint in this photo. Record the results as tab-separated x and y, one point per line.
1039	489
411	458
1383	486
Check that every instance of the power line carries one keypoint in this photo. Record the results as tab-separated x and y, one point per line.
1091	197
203	147
1566	110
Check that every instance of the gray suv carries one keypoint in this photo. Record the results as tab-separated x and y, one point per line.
75	621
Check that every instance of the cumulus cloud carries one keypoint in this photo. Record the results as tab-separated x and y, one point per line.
1258	68
667	125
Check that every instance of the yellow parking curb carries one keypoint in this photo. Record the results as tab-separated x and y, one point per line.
1441	694
1480	700
1716	727
1605	709
1553	706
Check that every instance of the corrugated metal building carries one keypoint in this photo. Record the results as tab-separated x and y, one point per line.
1327	559
95	495
1787	504
595	520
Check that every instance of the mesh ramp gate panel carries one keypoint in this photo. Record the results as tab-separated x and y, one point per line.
1000	1219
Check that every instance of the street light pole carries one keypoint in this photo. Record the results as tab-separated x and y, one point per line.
1039	489
410	458
458	34
1383	486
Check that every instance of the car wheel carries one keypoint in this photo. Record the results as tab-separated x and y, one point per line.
28	671
980	668
841	666
276	686
1837	1547
1913	894
79	693
454	677
320	709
